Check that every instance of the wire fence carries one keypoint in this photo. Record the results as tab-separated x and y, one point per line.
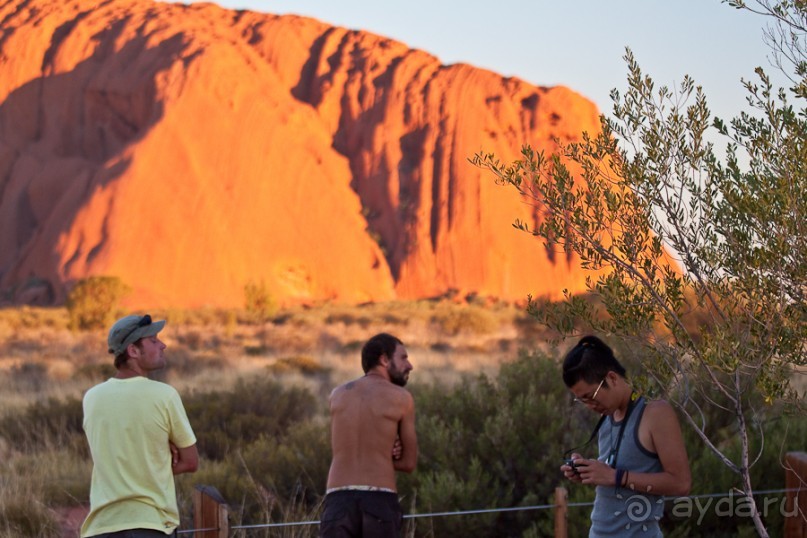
734	493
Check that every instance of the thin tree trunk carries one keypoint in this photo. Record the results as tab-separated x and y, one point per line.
745	469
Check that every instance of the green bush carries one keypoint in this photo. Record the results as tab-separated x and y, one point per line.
494	444
497	443
279	474
225	421
92	302
294	465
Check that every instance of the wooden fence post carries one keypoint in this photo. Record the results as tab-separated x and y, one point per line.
210	512
796	504
561	512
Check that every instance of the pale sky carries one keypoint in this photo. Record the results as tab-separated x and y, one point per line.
575	43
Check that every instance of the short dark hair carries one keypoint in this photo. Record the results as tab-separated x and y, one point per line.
123	356
380	344
590	360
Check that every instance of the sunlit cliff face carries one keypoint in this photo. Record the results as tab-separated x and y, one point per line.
189	150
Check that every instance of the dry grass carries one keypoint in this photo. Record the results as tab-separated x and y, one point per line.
41	358
33	485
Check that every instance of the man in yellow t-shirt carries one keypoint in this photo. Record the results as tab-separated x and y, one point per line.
139	437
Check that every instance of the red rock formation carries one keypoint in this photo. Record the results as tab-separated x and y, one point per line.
191	149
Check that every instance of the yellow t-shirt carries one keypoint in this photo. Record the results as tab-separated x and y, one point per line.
128	423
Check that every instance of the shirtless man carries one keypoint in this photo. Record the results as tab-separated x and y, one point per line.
372	437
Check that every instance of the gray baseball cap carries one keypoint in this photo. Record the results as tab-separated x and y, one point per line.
131	329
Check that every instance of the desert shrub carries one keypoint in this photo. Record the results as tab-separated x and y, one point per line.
300	319
95	372
183	361
441	347
29	376
264	446
226	476
530	329
228	420
497	442
352	346
466	319
467	490
394	318
350	318
255	351
44	424
194	339
494	443
196	317
305	364
278	478
294	465
329	341
92	302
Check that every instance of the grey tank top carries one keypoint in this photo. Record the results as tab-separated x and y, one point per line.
623	512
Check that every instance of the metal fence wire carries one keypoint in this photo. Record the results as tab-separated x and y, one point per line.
488	511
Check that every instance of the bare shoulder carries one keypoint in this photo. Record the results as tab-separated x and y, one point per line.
397	397
391	392
660	412
658	406
343	389
402	393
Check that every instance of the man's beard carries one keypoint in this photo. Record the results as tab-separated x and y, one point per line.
396	376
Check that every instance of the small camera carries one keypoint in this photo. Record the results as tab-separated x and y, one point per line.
570	463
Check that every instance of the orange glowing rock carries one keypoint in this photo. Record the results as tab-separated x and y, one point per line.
189	149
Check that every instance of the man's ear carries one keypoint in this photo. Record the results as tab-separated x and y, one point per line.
383	360
133	351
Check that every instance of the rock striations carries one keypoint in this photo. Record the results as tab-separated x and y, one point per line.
189	149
